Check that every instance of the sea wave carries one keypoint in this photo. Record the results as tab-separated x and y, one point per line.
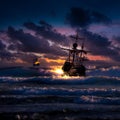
81	99
98	100
89	80
59	90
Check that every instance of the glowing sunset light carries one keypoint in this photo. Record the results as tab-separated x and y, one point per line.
98	57
54	60
18	60
58	71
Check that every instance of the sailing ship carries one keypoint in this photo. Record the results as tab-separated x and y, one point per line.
36	62
74	65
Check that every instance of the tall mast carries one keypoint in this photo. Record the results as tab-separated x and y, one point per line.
76	37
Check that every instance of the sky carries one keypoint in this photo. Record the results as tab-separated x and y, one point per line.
38	28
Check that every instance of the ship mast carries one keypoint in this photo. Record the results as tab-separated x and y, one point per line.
78	54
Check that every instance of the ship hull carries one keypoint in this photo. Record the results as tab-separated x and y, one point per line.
80	71
72	70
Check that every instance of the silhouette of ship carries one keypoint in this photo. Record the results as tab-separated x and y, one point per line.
74	66
36	62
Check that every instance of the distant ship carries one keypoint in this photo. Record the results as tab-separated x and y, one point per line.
36	62
74	66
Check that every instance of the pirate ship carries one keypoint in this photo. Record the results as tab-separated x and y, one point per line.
74	64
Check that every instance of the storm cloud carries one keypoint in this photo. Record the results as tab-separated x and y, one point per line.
79	17
30	43
47	31
99	45
2	46
4	53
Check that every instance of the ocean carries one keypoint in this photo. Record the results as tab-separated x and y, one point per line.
28	96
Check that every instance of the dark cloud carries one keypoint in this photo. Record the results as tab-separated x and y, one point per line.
116	41
95	42
30	43
23	45
99	45
2	46
47	31
16	46
4	54
116	46
79	17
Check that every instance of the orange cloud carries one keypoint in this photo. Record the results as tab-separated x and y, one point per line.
98	57
18	60
60	61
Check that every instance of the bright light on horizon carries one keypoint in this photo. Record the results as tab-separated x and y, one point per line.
59	71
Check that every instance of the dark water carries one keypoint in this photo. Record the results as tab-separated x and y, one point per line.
96	96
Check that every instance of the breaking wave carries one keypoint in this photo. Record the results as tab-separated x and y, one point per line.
89	80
